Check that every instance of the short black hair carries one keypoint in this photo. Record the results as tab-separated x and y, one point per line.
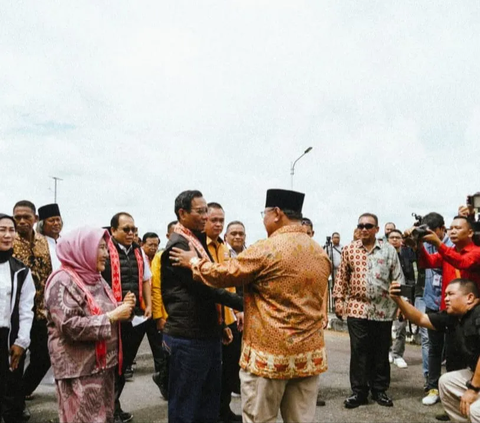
292	214
173	222
184	201
467	286
469	222
335	233
433	220
26	203
235	222
374	216
214	205
116	219
391	223
149	235
398	231
307	222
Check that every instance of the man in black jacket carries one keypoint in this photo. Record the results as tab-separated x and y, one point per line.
193	330
127	269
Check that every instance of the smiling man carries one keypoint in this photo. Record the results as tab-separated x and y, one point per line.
235	237
459	390
127	270
284	278
193	331
361	293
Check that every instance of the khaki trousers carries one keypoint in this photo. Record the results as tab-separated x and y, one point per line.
262	398
452	387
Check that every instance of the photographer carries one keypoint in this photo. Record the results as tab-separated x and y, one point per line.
459	390
462	260
432	297
334	251
407	258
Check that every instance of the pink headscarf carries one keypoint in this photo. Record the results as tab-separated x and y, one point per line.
79	249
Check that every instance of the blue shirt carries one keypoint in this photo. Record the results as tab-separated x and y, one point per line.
433	279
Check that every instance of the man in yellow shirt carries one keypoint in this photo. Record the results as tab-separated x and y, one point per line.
219	252
160	315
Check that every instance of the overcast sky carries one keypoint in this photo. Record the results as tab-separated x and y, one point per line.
131	103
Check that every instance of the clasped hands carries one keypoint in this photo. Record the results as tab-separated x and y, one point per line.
123	311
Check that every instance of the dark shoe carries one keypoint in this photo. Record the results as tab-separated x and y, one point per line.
382	399
128	373
321	403
123	417
26	414
163	389
355	400
442	417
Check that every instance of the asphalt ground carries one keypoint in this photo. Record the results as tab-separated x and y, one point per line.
142	398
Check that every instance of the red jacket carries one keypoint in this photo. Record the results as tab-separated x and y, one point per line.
455	264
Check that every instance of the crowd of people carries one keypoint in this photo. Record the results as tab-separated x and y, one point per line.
222	319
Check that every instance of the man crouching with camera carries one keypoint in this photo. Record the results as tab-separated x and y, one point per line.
459	390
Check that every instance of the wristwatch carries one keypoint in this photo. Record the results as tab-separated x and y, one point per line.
470	386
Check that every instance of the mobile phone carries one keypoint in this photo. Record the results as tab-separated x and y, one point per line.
406	291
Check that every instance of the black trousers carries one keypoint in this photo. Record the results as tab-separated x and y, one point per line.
230	370
11	405
436	342
155	339
369	345
39	357
132	337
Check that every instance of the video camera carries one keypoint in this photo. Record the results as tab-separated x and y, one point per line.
474	202
420	229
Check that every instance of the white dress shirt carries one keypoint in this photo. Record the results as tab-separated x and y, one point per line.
52	247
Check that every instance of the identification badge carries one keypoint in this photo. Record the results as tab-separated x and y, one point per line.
437	280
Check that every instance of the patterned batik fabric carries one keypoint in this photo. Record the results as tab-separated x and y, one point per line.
87	399
363	281
36	256
284	278
73	330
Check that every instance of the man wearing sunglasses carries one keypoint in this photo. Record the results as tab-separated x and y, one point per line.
361	294
127	269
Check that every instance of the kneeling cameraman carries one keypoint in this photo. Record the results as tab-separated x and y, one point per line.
459	390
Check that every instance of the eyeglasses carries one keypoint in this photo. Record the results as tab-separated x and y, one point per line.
367	226
201	210
395	237
128	229
263	213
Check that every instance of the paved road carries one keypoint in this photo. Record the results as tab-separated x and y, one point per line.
142	398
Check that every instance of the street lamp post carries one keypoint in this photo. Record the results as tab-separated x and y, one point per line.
292	169
56	179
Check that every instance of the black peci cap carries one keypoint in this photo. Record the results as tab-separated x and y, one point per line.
285	199
49	210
